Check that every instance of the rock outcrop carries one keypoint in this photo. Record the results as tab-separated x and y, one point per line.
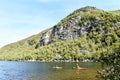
73	28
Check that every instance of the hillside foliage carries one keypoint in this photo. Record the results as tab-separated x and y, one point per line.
101	38
111	65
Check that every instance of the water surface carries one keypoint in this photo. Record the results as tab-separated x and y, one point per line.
13	70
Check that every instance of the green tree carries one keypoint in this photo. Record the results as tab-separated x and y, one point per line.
112	65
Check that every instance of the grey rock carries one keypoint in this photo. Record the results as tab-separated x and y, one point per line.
71	30
117	24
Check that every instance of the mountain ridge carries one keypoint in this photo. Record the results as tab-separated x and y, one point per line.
81	35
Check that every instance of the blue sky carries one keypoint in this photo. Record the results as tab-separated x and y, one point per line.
22	18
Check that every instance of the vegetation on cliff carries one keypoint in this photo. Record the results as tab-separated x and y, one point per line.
84	34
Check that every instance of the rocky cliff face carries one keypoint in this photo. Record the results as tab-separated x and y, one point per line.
73	28
66	31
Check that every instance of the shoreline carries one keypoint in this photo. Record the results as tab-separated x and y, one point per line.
87	60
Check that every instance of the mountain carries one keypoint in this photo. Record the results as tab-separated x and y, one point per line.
84	34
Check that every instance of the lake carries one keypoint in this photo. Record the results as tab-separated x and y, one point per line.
15	70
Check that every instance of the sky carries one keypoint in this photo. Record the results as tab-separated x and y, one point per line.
20	19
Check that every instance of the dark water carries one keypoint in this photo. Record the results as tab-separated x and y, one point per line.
11	70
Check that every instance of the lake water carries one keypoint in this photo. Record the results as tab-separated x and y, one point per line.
13	70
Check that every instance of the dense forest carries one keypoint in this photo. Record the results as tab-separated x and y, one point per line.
87	33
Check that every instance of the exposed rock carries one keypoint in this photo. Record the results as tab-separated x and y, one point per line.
88	9
117	24
45	38
73	28
68	31
31	42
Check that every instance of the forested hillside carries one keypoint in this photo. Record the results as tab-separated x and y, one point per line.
84	34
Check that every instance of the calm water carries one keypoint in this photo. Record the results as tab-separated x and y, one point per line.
10	70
